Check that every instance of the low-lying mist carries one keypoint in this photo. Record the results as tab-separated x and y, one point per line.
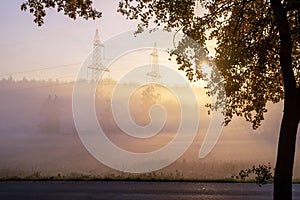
37	132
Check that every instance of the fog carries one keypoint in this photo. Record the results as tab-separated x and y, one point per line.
37	132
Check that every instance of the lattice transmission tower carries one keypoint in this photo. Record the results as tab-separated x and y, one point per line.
154	75
96	68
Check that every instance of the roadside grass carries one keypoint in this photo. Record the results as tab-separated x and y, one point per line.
153	176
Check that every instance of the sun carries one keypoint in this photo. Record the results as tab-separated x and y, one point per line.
204	65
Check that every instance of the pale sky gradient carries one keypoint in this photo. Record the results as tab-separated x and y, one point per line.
60	41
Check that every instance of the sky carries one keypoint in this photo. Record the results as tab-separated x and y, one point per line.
61	42
58	48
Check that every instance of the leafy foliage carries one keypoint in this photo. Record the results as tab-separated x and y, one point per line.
71	8
262	174
247	52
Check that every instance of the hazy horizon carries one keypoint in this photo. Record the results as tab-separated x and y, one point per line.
26	147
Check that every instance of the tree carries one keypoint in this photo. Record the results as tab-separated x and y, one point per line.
50	115
149	97
71	8
257	55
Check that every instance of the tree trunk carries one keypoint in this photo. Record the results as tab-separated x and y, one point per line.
288	131
285	155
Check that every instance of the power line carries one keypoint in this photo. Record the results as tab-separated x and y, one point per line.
46	68
37	87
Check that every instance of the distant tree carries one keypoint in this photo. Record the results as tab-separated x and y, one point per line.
50	115
10	79
149	97
24	80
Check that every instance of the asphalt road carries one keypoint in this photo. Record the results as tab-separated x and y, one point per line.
131	190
